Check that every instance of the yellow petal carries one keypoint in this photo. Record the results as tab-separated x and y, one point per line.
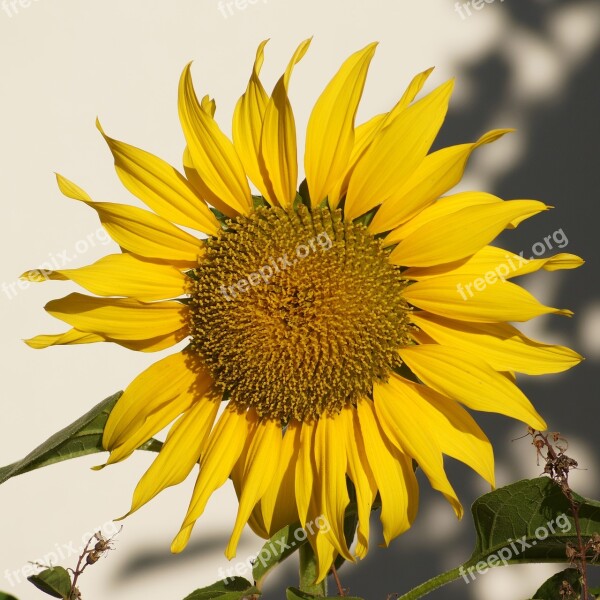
468	379
212	154
439	172
363	137
366	133
331	488
153	389
393	473
278	143
557	262
258	470
154	344
278	505
409	429
202	189
140	231
455	297
208	105
179	454
456	432
224	447
330	132
145	408
325	554
122	275
442	208
496	260
362	477
461	234
73	336
161	187
247	124
501	345
396	151
305	470
414	87
119	318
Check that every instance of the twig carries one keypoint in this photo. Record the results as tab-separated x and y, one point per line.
338	583
558	465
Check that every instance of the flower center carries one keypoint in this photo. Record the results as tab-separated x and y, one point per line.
296	314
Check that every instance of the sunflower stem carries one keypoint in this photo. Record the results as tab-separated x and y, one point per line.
432	584
309	569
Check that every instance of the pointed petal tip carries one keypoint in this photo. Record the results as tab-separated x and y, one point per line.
180	541
459	511
387	540
503	131
186	72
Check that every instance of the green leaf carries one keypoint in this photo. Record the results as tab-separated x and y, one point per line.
234	588
309	571
283	544
5	596
551	589
82	437
55	582
528	521
296	594
532	520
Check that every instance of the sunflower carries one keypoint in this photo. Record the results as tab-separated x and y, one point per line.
335	330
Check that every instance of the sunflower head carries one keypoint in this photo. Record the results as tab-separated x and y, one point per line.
336	332
296	313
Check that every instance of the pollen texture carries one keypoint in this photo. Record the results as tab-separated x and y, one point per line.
297	313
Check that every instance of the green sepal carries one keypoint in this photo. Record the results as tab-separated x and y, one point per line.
259	202
303	196
222	218
367	217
